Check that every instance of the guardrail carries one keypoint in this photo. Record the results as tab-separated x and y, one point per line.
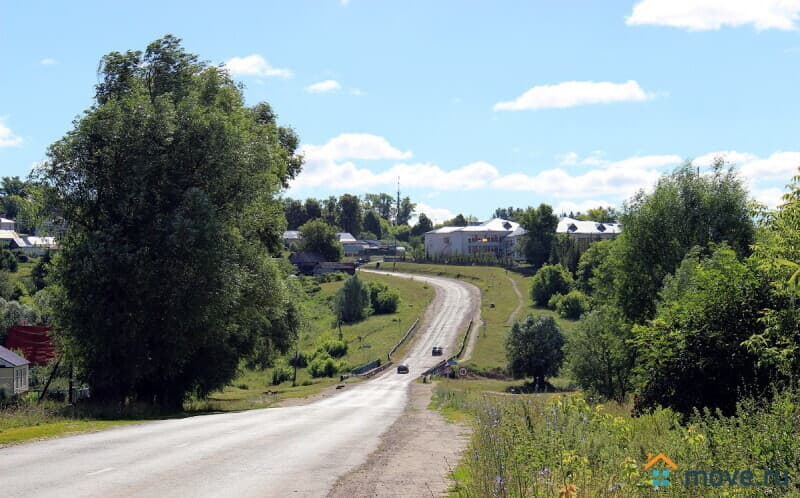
463	342
439	367
405	337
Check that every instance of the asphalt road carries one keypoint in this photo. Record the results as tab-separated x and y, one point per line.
292	451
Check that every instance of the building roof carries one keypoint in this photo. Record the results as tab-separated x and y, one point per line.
5	220
493	225
346	237
8	235
571	225
9	358
291	234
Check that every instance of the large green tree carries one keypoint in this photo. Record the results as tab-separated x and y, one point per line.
424	224
350	218
691	355
683	211
168	184
535	348
318	237
541	225
372	224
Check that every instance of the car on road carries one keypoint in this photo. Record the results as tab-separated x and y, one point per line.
402	369
437	351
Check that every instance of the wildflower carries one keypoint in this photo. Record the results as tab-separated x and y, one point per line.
499	480
545	472
568	491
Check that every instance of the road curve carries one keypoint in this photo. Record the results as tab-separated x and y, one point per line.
291	451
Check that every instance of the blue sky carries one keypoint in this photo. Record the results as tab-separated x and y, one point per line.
474	105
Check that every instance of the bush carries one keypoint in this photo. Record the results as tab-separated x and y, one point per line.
8	261
572	305
281	373
383	299
550	280
323	366
301	361
334	348
335	276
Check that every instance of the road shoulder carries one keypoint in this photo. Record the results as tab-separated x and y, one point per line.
415	456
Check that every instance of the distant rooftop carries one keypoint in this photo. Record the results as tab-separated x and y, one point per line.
493	225
9	358
571	225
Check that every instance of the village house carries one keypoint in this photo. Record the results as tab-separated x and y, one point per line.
13	373
586	232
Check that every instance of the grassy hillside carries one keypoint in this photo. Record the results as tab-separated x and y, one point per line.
500	307
367	340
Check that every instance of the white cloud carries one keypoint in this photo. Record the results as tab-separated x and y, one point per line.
47	61
7	136
356	92
728	156
436	215
771	196
255	65
779	165
354	146
575	93
324	87
703	15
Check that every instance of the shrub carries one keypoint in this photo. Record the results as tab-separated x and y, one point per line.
383	299
550	280
572	305
323	366
280	374
301	361
8	261
334	348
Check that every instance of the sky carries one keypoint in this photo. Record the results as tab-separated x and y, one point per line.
473	105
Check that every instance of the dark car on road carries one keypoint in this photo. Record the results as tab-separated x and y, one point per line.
402	369
437	351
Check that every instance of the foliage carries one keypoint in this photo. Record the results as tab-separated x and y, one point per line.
333	348
323	366
372	223
383	299
691	354
349	214
589	264
535	348
41	270
510	213
168	185
424	224
318	237
14	313
352	301
548	281
8	261
541	225
406	209
281	373
570	305
540	445
599	355
777	253
600	213
685	210
295	213
565	251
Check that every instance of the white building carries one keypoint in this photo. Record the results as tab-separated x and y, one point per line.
498	237
6	224
586	232
13	373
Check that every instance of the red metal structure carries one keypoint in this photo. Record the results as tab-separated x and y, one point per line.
34	341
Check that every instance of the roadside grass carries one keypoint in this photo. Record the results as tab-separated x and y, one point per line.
565	445
26	420
368	340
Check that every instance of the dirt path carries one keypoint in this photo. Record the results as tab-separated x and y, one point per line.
513	315
414	458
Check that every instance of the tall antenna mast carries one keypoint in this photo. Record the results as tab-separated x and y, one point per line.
397	217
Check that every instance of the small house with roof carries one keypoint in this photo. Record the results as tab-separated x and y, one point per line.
585	232
13	373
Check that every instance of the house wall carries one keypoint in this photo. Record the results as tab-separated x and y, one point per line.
7	380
